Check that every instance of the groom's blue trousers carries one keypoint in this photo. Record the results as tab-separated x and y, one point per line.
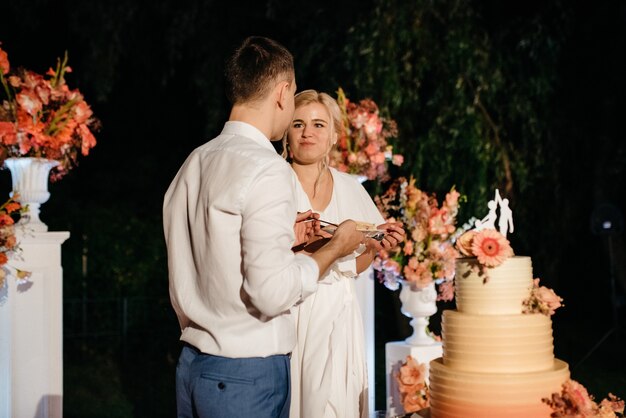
210	386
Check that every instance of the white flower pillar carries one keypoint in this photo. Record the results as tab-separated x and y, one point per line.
31	330
417	304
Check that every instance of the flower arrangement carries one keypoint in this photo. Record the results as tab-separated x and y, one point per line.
427	253
363	148
412	385
575	402
8	241
542	300
42	117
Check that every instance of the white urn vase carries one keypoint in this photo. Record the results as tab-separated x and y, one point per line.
29	177
419	304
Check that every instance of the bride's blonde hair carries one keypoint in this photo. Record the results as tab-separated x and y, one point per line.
307	97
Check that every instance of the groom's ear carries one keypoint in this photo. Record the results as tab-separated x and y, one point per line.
282	92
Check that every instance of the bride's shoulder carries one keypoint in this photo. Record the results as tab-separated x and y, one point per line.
344	177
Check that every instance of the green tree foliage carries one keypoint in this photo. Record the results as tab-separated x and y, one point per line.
472	101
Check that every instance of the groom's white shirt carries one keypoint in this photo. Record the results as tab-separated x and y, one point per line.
228	219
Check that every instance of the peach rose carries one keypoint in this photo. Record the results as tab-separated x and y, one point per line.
549	298
464	243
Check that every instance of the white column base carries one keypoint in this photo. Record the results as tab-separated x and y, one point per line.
31	331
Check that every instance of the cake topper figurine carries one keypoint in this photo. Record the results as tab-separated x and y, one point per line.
505	219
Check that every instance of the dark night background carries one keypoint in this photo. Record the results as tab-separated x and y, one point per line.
526	97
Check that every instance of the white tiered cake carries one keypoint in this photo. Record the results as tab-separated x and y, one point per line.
497	362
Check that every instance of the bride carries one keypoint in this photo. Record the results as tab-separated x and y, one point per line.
329	372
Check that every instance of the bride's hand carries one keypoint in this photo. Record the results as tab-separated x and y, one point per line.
394	235
306	227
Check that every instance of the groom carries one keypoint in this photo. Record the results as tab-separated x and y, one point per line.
228	218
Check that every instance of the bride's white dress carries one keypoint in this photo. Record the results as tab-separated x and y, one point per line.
328	365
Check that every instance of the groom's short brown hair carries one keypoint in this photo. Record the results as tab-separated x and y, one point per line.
253	67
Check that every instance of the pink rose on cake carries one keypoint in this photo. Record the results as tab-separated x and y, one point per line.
549	298
578	396
574	401
542	300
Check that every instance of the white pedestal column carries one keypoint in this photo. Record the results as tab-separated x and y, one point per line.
395	356
364	289
31	331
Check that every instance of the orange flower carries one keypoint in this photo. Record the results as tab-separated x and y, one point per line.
5	219
4	62
12	206
491	247
3	259
8	134
10	241
412	385
29	101
408	247
411	373
415	401
46	119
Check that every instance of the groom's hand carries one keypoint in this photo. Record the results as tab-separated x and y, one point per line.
305	228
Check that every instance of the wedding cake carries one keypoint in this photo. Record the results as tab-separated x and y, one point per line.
497	361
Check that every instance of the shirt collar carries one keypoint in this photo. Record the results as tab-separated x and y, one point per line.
233	127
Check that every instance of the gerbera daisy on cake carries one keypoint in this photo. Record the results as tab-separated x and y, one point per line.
489	246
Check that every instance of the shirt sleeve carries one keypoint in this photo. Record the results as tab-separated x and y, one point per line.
275	278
